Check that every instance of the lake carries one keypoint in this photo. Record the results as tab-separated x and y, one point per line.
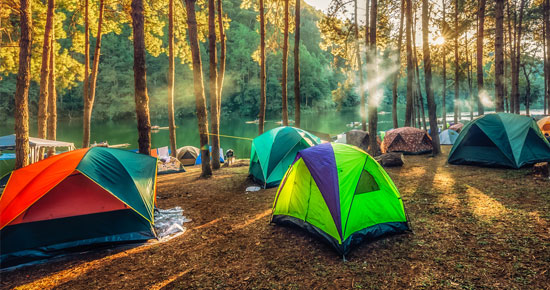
125	131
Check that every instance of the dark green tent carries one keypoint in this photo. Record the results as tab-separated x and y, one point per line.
275	150
503	140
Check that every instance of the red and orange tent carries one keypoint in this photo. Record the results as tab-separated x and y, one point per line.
79	198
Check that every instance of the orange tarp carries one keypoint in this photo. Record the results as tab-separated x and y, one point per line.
28	184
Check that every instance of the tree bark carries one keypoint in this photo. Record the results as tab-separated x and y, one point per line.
372	64
140	79
444	76
171	76
517	59
545	59
87	110
90	95
285	65
547	36
221	73
421	112
213	85
506	96
456	104
44	74
261	115
432	109
410	70
527	91
22	87
297	66
52	95
469	61
398	70
198	87
499	56
362	109
479	55
512	42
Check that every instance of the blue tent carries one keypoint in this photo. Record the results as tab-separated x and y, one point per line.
198	160
448	137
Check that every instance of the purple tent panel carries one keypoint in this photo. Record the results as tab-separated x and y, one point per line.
321	163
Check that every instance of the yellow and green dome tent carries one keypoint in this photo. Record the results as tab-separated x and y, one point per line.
341	194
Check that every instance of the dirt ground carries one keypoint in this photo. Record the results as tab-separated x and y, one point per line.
473	228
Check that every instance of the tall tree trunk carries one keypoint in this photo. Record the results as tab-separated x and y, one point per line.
527	90
373	94
362	110
398	70
213	85
432	109
499	55
52	95
44	74
456	104
410	70
545	59
517	59
470	76
511	41
198	87
90	95
297	66
417	80
506	96
444	76
171	76
221	73
261	115
479	56
140	79
547	36
22	87
285	65
87	109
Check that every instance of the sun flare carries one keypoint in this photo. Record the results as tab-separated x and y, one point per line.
439	40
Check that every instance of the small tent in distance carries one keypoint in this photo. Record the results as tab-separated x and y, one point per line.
544	125
448	137
76	199
275	150
340	194
187	155
408	140
501	140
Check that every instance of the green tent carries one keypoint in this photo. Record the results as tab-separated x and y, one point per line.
275	150
504	140
340	194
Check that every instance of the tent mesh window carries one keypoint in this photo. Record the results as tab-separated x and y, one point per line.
366	183
476	137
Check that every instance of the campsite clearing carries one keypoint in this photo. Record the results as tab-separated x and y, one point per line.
473	227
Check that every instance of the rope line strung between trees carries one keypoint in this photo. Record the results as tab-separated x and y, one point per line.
227	136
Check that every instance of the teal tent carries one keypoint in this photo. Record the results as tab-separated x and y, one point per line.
275	150
504	140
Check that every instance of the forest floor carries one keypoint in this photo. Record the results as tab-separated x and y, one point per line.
473	228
